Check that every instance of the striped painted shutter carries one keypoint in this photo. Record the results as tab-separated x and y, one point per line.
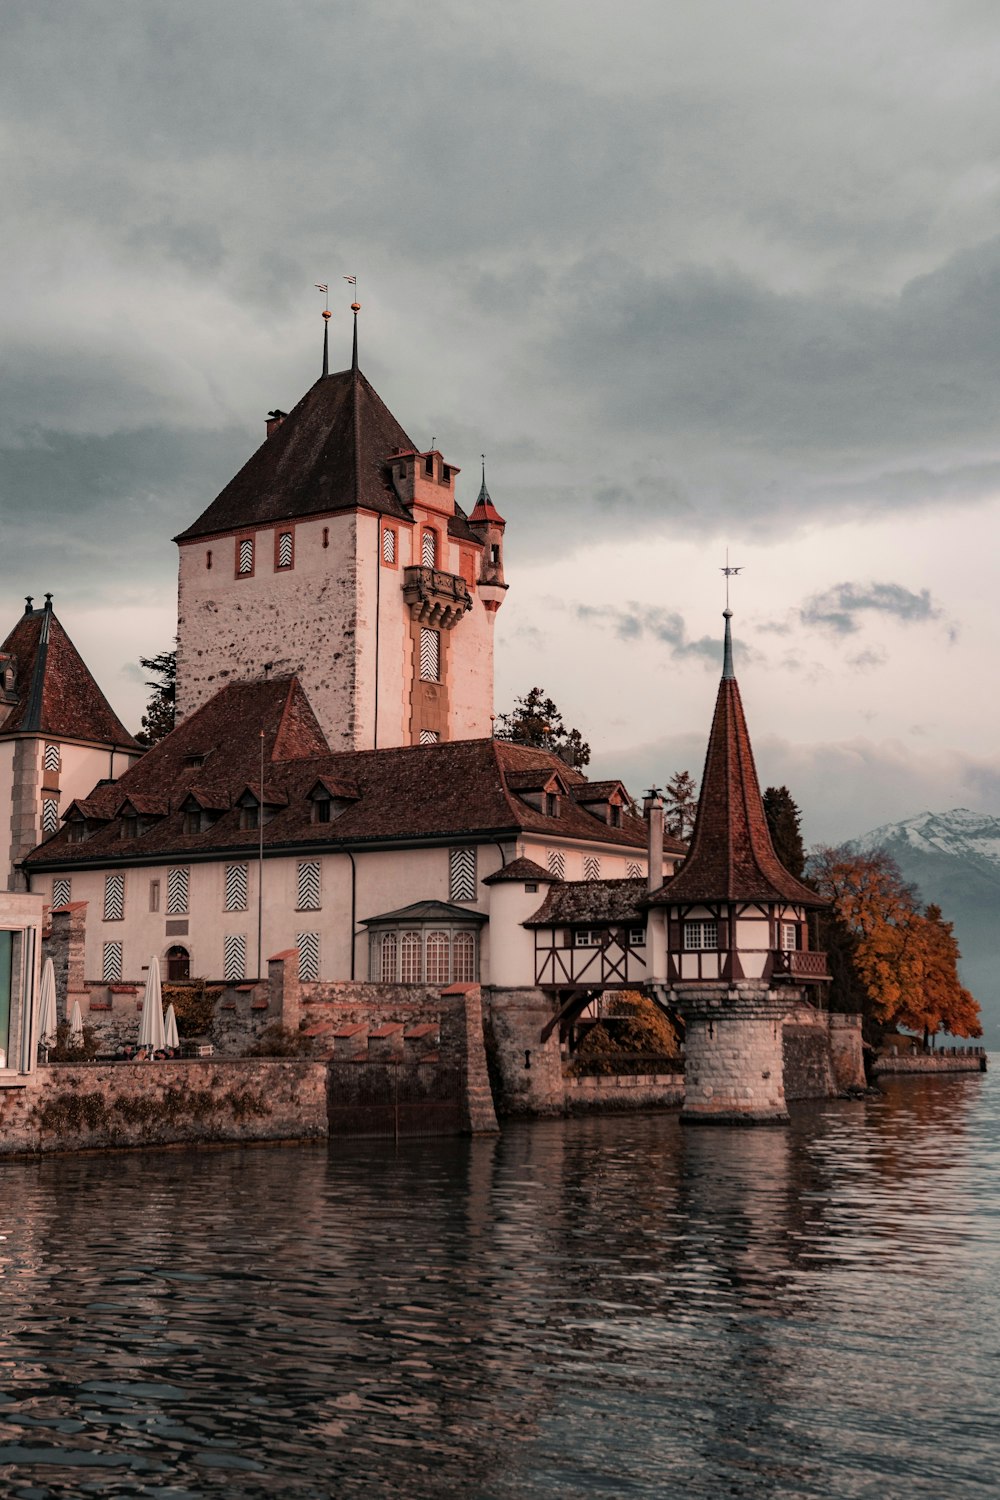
114	898
429	737
308	946
177	891
234	956
236	888
557	863
50	815
634	870
62	888
51	758
388	546
462	875
591	868
428	549
111	965
285	550
430	655
246	555
308	885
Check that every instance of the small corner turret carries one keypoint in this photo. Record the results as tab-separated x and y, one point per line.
489	525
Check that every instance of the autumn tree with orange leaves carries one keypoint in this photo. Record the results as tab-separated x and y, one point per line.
893	961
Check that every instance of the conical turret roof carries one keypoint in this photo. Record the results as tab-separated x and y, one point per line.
731	857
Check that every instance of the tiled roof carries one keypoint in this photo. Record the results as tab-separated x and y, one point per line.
423	912
580	902
56	695
520	869
731	856
456	790
330	453
484	509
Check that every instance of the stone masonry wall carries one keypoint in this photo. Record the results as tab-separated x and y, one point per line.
734	1067
806	1062
526	1073
88	1106
971	1061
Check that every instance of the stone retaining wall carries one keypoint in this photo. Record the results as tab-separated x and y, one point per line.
101	1106
972	1060
624	1091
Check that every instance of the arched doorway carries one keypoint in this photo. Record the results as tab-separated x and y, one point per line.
178	963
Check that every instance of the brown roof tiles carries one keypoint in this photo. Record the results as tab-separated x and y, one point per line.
55	693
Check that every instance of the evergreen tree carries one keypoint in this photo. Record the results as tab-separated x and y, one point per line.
681	804
535	720
158	720
784	822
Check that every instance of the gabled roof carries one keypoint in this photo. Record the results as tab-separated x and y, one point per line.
435	793
55	693
731	857
330	453
425	912
585	902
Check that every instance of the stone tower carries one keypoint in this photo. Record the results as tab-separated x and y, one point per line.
734	933
339	553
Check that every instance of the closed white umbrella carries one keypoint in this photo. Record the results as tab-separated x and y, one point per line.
170	1028
151	1030
76	1025
46	1018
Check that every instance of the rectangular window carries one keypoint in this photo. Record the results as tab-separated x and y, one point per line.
557	863
50	815
249	817
285	552
438	958
462	875
234	956
389	547
637	937
429	737
236	887
308	946
701	934
308	886
587	937
244	557
50	760
411	958
591	868
177	892
428	549
388	951
430	655
114	898
789	936
61	890
463	958
154	895
111	963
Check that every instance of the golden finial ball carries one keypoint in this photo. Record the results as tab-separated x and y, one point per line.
355	307
327	313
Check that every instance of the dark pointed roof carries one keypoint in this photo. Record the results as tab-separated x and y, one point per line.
330	453
731	857
484	509
56	694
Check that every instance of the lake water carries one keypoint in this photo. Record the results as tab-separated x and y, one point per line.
607	1307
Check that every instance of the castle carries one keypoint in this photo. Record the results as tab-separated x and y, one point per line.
332	790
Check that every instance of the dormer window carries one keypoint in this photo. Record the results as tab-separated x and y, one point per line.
76	831
322	810
196	759
192	820
614	815
429	466
249	816
130	826
550	805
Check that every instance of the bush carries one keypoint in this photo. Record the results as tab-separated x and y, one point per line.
635	1037
194	1005
278	1041
65	1049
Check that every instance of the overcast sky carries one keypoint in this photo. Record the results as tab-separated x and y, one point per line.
692	273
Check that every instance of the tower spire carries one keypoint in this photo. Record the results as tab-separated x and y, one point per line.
727	650
321	286
355	309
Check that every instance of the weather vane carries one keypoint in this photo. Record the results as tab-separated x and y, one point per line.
730	573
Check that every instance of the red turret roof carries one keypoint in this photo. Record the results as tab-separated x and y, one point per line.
731	857
484	509
55	693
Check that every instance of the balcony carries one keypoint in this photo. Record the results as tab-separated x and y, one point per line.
800	966
436	599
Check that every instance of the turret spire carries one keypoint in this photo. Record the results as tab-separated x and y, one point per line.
727	650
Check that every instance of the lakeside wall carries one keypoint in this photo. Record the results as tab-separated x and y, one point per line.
950	1060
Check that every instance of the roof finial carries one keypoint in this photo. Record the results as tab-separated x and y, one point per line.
484	493
29	604
727	651
48	601
321	286
355	309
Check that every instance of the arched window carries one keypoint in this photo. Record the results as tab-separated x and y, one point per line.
438	954
178	964
388	959
463	958
410	956
428	548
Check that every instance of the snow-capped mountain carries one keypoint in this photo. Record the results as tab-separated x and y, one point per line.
953	859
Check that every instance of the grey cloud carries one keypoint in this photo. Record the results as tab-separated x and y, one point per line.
652	622
838	608
866	661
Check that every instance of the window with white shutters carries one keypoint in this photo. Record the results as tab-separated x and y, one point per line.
286	550
557	864
462	875
234	956
177	891
308	946
51	759
429	737
236	888
389	547
114	898
591	868
244	556
428	549
430	655
308	893
62	888
111	964
50	815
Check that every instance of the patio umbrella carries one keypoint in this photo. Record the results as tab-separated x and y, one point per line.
170	1028
76	1025
151	1030
46	1018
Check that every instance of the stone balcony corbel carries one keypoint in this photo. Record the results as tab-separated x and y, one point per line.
435	598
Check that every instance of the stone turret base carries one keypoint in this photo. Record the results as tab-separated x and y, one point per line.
734	1074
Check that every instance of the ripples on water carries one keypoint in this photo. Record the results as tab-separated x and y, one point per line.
605	1307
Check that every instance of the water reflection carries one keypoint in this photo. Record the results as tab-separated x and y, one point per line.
602	1307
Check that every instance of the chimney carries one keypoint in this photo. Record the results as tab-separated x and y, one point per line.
274	420
652	811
